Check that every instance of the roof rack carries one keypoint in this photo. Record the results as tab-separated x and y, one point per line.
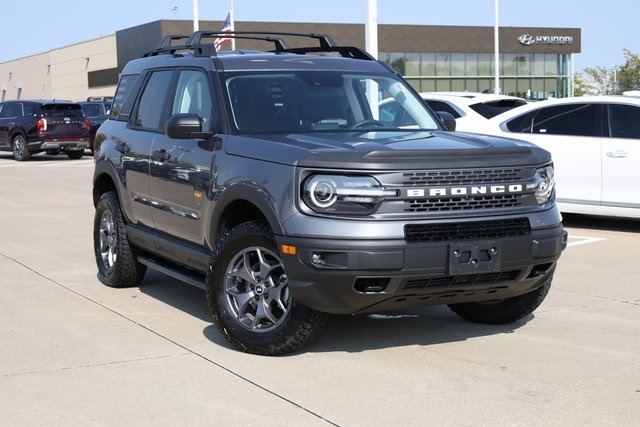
195	43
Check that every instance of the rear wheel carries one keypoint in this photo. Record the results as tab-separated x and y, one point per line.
20	151
115	258
75	154
248	295
503	311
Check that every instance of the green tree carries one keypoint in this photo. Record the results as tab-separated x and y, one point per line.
628	74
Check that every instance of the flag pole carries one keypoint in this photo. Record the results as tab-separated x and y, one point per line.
233	25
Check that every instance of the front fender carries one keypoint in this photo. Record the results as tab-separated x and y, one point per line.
249	192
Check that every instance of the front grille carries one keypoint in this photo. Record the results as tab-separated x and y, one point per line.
460	192
450	204
454	281
467	230
462	177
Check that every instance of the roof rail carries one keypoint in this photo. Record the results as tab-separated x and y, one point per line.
195	43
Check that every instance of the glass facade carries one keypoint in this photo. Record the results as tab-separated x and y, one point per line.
527	75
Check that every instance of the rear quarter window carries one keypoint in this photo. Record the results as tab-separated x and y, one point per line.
573	119
125	97
492	109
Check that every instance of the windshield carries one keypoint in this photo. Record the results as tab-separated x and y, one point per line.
320	101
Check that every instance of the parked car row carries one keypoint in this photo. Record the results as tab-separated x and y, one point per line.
29	127
594	141
595	146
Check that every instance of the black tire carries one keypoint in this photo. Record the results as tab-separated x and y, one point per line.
20	151
115	258
75	154
269	322
503	311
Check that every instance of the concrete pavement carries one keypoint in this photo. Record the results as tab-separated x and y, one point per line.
74	352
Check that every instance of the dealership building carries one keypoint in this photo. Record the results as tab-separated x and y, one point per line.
534	63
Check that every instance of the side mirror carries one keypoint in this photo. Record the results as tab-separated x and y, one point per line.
185	126
447	120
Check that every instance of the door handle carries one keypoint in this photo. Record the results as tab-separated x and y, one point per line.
160	155
618	154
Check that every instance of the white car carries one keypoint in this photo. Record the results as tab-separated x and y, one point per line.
595	145
469	109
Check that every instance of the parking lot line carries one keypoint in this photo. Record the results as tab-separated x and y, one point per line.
580	240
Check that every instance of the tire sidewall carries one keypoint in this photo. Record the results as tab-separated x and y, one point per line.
126	271
20	139
298	327
225	318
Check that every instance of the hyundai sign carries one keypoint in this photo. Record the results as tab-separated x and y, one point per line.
529	40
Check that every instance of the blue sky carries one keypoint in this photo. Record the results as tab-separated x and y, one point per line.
39	26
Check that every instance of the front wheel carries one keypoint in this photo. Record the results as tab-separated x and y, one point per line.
115	258
503	311
20	151
249	298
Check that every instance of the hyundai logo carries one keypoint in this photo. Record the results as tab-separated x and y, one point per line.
529	40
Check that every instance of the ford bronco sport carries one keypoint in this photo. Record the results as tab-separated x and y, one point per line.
268	179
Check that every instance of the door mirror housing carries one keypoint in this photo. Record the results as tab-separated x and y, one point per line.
447	120
185	126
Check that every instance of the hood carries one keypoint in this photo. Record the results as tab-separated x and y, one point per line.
388	150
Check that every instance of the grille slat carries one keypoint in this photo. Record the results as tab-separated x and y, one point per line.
463	203
462	177
455	281
467	230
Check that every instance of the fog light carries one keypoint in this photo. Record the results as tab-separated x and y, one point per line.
318	259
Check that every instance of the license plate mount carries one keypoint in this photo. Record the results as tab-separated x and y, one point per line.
474	257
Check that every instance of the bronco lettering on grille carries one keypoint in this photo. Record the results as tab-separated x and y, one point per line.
465	191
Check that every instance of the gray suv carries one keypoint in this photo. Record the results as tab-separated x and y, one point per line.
267	179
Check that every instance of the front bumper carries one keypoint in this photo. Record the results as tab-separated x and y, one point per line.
356	276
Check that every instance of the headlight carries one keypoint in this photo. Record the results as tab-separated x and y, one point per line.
544	184
344	195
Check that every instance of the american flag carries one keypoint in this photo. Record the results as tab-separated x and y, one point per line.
226	27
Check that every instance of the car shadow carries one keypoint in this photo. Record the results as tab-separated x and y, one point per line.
346	333
426	326
594	222
43	157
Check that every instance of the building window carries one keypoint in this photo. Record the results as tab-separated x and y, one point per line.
532	76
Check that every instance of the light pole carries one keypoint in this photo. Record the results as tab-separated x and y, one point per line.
615	68
496	49
196	25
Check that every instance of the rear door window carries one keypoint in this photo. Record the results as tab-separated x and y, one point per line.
152	108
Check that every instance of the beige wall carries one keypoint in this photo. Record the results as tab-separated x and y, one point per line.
60	73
